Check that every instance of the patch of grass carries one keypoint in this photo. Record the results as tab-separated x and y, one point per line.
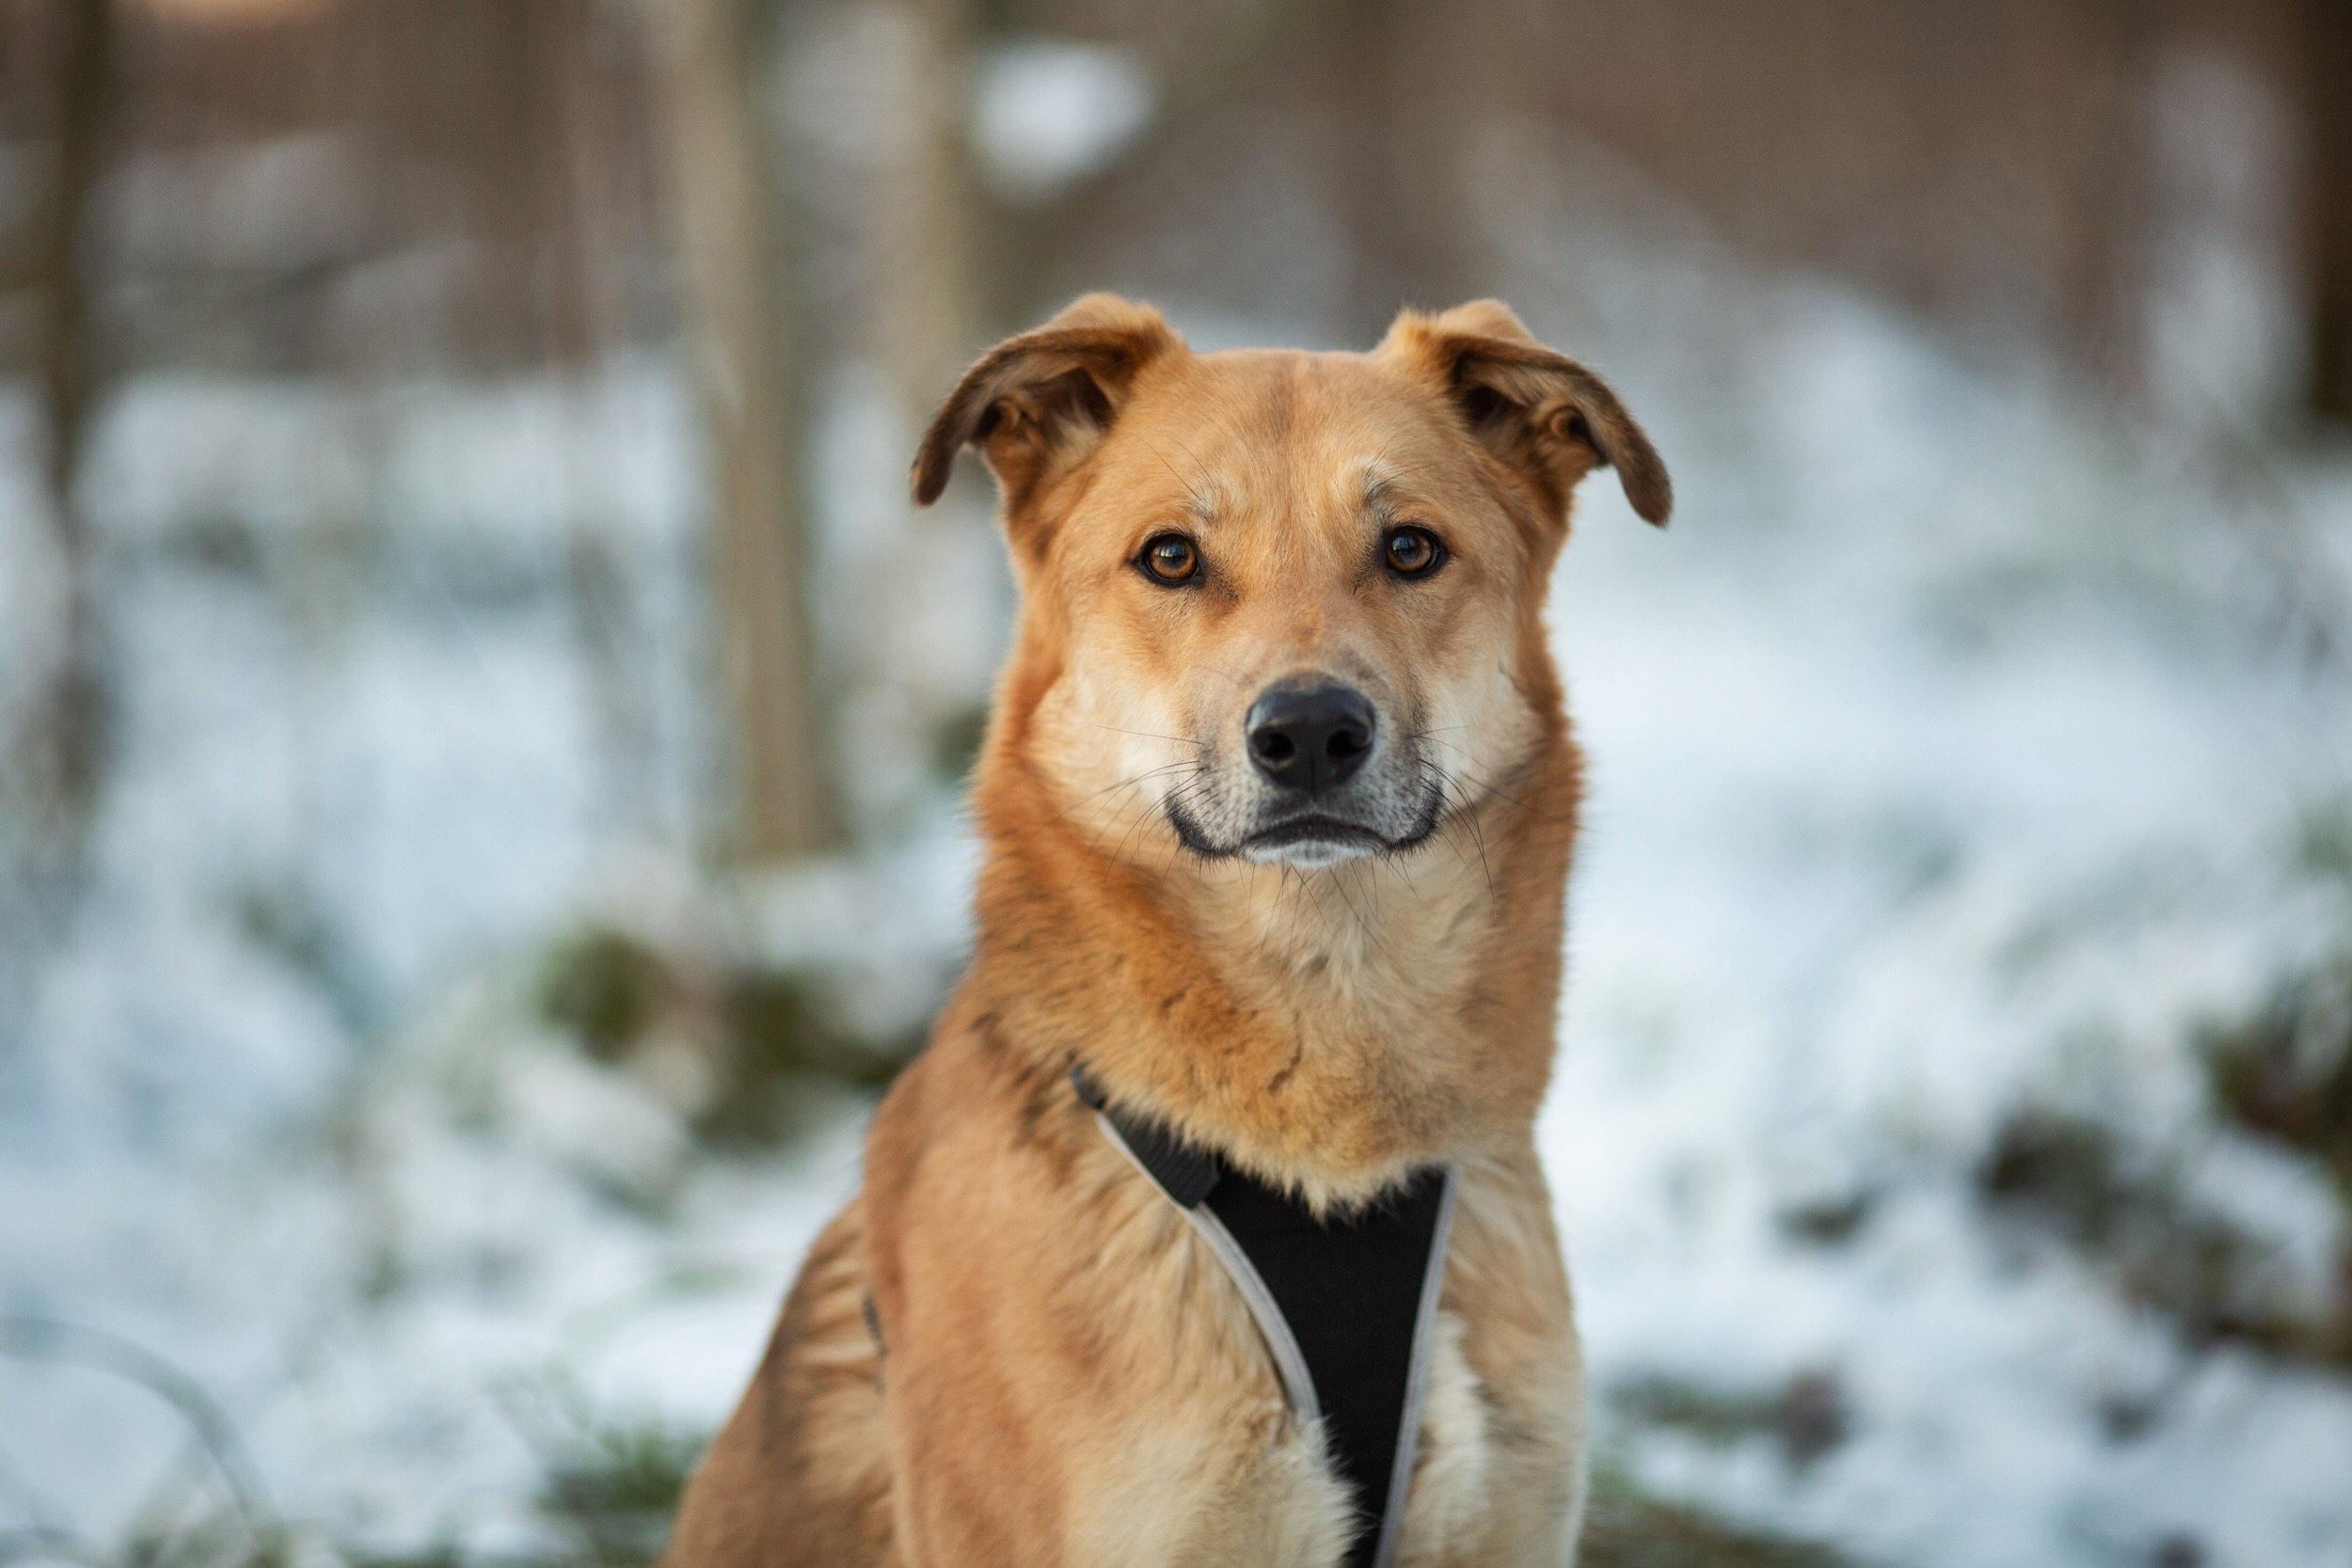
1626	1528
768	1043
781	1026
610	1499
607	1494
2073	1178
2067	1168
2285	1074
1806	1415
606	987
1829	1221
781	1043
442	1554
609	1484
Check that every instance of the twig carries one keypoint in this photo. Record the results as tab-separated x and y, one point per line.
45	1339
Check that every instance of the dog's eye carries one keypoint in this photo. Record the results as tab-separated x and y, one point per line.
1414	552
1171	559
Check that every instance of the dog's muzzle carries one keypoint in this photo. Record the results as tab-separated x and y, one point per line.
1320	787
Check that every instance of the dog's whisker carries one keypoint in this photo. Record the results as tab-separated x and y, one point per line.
1147	773
1493	788
1462	816
1152	734
1201	505
1396	863
1362	925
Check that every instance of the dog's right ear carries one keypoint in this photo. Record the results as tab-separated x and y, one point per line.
1036	403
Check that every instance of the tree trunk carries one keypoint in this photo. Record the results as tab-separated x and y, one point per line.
929	311
728	201
70	742
2327	203
573	178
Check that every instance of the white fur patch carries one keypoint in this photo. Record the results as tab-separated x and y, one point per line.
1284	1509
1449	1500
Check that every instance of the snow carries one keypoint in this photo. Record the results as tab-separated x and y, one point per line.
1947	757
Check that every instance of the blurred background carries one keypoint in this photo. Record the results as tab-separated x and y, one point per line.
479	816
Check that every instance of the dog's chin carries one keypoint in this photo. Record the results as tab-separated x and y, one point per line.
1312	842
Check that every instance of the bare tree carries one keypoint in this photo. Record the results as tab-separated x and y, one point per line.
2327	203
71	730
728	201
574	181
928	309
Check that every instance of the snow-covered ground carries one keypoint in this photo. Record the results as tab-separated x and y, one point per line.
1978	790
1957	753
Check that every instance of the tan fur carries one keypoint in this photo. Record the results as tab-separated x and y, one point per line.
1071	1378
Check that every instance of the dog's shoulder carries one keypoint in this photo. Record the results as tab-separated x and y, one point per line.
972	1098
801	1473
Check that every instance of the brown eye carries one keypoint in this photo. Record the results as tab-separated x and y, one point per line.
1414	552
1171	559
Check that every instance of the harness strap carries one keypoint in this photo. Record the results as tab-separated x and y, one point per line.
1346	1307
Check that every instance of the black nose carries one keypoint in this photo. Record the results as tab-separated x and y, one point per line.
1310	737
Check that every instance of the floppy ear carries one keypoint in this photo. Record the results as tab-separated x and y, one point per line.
1539	411
1036	401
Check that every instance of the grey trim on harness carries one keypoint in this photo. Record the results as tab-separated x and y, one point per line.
1424	1335
1288	1359
1289	1363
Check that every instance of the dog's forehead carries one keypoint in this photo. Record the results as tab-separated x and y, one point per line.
1242	428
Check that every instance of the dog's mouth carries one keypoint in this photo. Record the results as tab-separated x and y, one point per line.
1309	840
1312	840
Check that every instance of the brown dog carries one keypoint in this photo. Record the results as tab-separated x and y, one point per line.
1329	954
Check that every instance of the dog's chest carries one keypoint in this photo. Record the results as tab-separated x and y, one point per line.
1188	1494
1207	1455
1345	1305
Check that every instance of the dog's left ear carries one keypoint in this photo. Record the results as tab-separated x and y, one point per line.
1540	412
1038	402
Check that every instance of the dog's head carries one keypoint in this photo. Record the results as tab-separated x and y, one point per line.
1281	607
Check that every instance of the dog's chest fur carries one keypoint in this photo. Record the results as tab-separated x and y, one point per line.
1498	1476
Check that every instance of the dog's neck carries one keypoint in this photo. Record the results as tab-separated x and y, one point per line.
1329	1029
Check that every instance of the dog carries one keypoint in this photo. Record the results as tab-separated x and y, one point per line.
1279	797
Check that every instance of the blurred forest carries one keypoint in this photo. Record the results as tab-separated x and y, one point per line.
455	456
362	189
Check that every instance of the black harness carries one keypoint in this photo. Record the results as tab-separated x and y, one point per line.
1346	1306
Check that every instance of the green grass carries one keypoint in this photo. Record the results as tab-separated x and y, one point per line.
2285	1071
774	1049
1806	1417
610	1499
606	987
2074	1179
1626	1528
